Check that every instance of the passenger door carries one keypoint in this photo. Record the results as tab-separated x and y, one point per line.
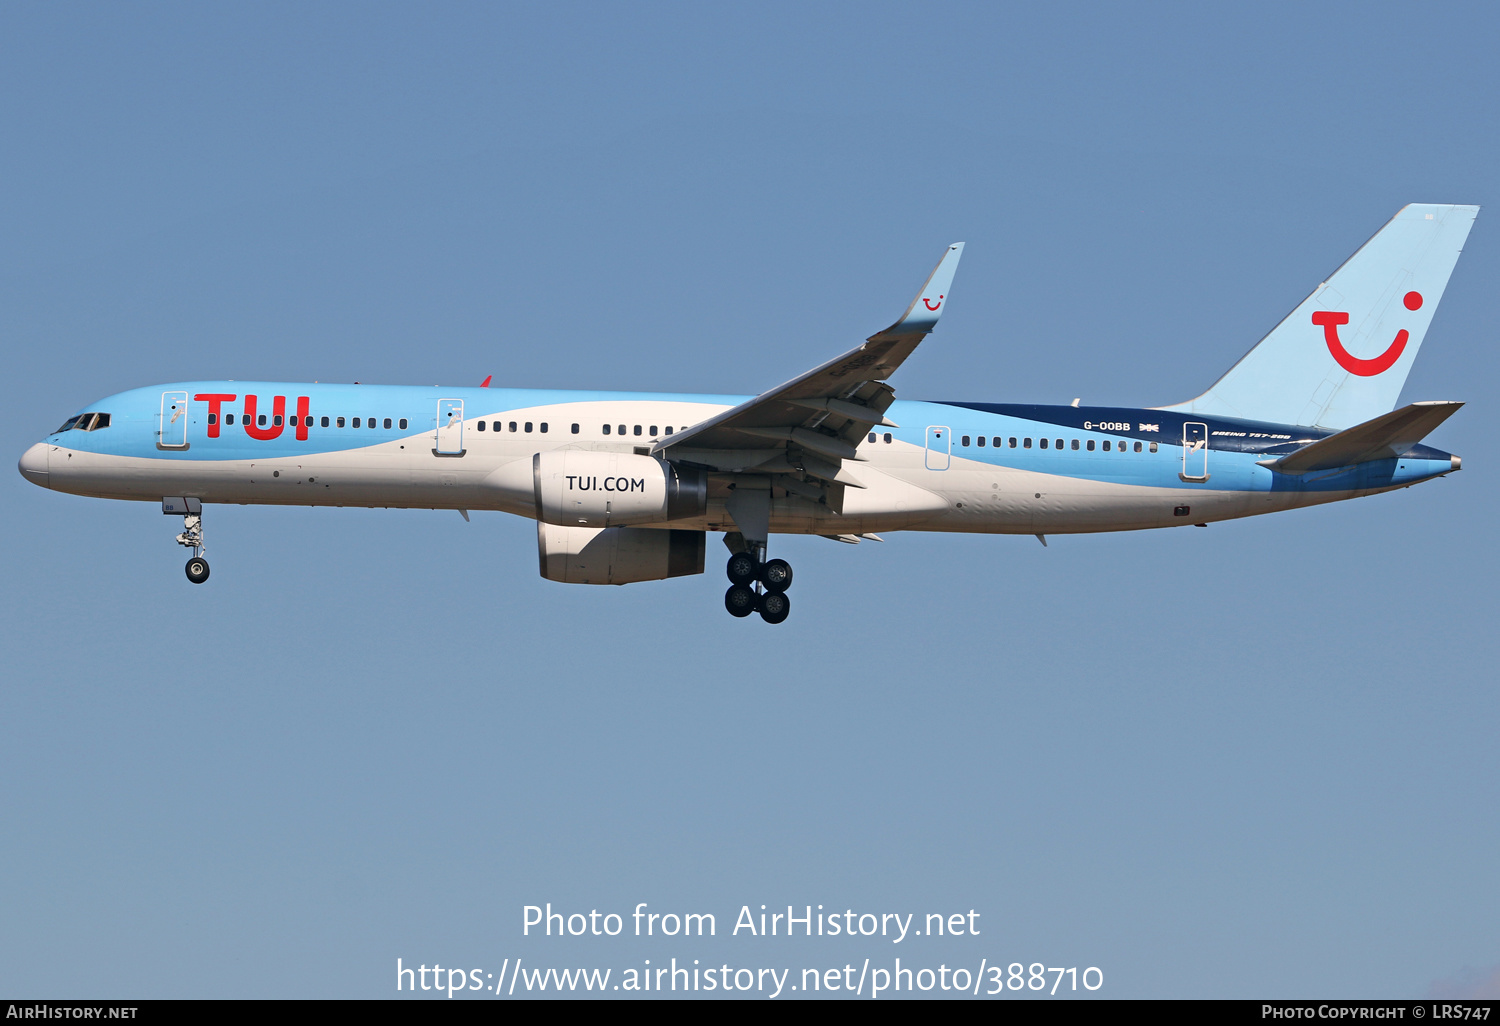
1194	452
450	428
172	424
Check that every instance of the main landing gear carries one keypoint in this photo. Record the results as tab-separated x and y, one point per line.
191	511
758	587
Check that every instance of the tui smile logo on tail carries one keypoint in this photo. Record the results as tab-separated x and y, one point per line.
1330	320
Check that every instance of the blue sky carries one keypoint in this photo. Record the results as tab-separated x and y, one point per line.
1253	760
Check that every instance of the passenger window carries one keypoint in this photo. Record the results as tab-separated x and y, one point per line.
964	440
1153	446
653	431
1106	445
606	429
262	419
1137	446
1044	443
637	430
872	436
528	427
1075	443
480	425
340	422
512	426
402	424
544	427
622	429
213	418
1059	443
980	440
229	418
669	429
276	420
1026	443
325	421
575	429
1089	445
1012	441
387	423
887	438
371	422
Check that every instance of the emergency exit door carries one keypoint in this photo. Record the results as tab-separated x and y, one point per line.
939	448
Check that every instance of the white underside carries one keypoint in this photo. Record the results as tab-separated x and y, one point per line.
900	493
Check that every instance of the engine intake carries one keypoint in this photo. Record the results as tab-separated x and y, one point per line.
617	555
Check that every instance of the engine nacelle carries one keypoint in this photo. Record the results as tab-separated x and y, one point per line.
580	488
617	555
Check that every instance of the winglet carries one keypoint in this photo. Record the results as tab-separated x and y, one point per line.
922	316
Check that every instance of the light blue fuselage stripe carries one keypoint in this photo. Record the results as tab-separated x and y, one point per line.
135	417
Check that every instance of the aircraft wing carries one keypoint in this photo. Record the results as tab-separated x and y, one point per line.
815	421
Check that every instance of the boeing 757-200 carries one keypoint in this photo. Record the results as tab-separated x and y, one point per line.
624	486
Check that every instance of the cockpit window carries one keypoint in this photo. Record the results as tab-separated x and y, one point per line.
85	422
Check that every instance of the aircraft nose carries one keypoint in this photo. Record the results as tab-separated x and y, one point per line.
33	464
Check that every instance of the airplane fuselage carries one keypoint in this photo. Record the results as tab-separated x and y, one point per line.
948	466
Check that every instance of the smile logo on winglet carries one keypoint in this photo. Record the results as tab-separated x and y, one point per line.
930	304
1329	321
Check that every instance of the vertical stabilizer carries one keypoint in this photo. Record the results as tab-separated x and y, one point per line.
1341	357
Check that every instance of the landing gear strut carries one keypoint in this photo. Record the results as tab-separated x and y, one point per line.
191	511
758	587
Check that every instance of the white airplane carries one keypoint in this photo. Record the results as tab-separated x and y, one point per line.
624	486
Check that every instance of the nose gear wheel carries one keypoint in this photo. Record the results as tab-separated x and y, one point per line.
191	537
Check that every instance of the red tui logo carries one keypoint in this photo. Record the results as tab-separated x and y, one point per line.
1330	320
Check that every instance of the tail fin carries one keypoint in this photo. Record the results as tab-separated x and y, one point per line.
1341	357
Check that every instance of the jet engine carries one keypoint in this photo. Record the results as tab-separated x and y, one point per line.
617	555
580	488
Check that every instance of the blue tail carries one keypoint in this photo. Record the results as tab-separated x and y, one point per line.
1341	357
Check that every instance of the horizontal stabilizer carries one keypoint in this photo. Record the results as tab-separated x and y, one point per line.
1385	437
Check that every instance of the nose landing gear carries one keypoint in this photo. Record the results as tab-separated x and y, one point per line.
191	511
197	569
757	587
